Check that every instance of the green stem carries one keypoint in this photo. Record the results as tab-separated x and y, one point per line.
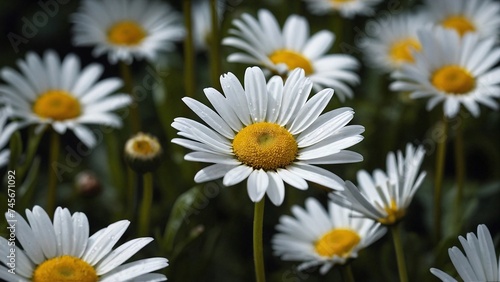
135	117
189	75
346	272
258	256
33	143
215	57
52	187
337	24
131	193
460	171
400	255
147	199
438	179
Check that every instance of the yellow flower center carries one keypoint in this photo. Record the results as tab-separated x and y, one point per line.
292	60
265	145
57	105
453	79
459	23
401	50
338	241
143	146
126	33
341	1
394	214
64	269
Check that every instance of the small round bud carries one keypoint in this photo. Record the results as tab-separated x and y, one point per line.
143	152
87	184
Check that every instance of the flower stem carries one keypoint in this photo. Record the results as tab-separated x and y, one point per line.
346	272
215	61
147	199
135	118
258	255
400	255
54	155
438	179
460	171
189	75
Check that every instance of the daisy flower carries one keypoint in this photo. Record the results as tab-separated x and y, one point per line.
384	197
6	131
393	42
477	263
464	16
281	51
347	9
126	28
268	133
63	251
454	70
61	94
319	237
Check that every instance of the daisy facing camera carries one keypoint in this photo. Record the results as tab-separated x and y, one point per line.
143	152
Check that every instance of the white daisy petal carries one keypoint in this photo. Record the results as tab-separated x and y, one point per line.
258	182
104	242
121	254
212	172
134	269
236	175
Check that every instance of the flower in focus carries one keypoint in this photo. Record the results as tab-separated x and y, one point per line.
59	93
319	237
268	133
346	8
63	251
126	29
477	263
6	131
281	51
385	197
466	16
393	41
454	70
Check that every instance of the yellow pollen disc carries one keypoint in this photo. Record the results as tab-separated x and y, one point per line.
459	23
143	146
401	50
126	33
394	214
57	105
339	242
453	79
64	269
265	145
292	60
340	1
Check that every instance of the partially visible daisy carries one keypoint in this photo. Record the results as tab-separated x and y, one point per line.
63	251
268	133
281	51
6	131
385	196
346	8
466	16
393	41
478	262
202	22
454	70
317	237
127	29
61	94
